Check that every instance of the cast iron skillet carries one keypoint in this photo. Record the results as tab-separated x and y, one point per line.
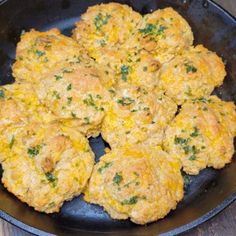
205	196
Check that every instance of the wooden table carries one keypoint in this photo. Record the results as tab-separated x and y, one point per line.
223	224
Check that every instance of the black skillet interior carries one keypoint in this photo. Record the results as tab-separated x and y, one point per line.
205	195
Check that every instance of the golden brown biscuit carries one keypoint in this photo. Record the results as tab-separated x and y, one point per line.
38	52
19	104
76	96
139	69
193	74
140	183
105	26
199	136
46	165
137	115
164	33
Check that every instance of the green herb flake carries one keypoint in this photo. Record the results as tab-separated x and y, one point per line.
192	157
125	101
2	94
133	200
102	42
34	151
39	53
86	120
73	114
190	68
58	77
181	141
187	180
117	179
51	204
67	70
202	99
56	94
69	100
151	29
189	92
101	20
195	132
104	167
112	91
188	149
51	178
12	142
124	70
89	101
145	68
69	87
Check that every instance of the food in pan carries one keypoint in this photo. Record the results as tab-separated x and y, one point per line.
193	74
138	81
139	182
164	33
39	52
19	104
105	26
136	115
46	164
138	68
201	134
75	95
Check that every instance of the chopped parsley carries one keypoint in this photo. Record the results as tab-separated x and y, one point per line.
34	151
190	68
102	42
125	101
133	200
58	77
204	100
73	114
69	100
2	94
12	142
189	92
56	94
105	166
112	91
39	53
187	180
101	20
67	70
145	68
69	87
151	29
181	141
124	72
51	178
192	157
86	120
117	179
188	149
89	101
195	132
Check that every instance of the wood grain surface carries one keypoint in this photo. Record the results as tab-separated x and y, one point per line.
222	224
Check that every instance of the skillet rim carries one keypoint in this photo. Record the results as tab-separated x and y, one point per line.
184	228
